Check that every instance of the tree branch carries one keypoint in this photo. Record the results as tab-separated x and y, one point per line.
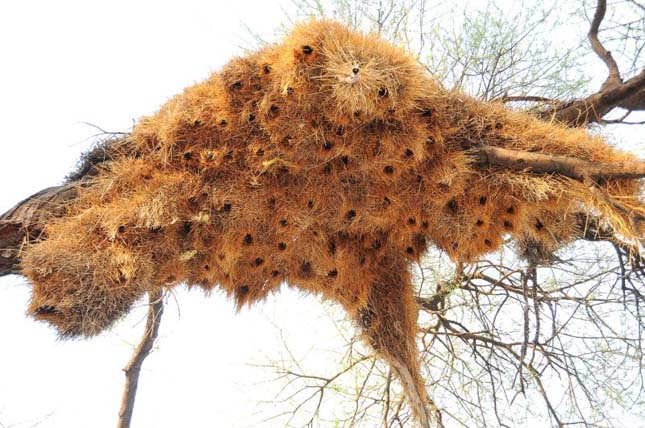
629	95
597	46
568	166
613	93
24	223
133	368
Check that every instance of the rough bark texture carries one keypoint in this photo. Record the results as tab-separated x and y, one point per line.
24	222
614	92
564	165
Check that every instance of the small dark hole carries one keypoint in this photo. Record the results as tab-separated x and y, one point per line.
355	70
271	202
227	207
344	160
310	203
121	229
243	290
273	109
409	250
425	225
479	222
307	50
510	210
289	90
155	229
332	247
357	113
259	261
427	112
327	145
248	239
430	141
228	155
305	268
382	92
284	223
482	200
340	131
327	168
498	126
377	244
267	69
539	225
260	152
275	273
237	85
386	201
223	123
187	226
350	214
332	273
188	155
508	224
282	246
251	117
409	153
388	169
488	243
419	178
452	205
207	268
197	123
412	221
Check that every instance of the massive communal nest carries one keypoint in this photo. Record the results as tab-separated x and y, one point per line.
330	162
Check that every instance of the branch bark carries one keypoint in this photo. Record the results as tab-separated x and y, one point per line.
613	93
555	164
629	95
24	223
597	46
133	368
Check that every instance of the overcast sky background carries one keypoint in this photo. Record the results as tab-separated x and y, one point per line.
67	63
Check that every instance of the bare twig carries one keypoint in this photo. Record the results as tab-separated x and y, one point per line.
597	46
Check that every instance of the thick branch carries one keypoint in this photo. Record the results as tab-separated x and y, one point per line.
613	93
568	166
629	95
24	222
133	368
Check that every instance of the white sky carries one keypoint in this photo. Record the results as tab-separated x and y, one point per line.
63	63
